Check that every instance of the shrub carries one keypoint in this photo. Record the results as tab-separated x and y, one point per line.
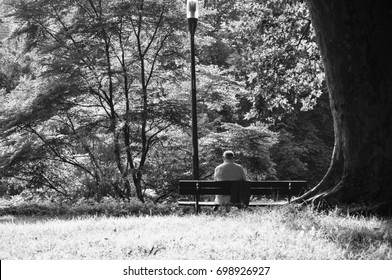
108	206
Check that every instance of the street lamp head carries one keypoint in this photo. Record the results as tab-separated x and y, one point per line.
192	9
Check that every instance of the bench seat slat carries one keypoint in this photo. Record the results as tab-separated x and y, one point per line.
212	203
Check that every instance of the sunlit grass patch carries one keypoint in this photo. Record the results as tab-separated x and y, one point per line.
265	233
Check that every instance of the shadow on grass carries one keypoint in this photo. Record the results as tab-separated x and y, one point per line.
359	237
374	242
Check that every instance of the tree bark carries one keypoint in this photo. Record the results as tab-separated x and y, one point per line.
353	37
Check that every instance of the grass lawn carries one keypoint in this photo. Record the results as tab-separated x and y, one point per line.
264	233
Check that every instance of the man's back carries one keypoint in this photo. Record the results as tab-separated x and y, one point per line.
229	171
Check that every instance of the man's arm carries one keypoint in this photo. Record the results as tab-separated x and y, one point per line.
243	174
216	174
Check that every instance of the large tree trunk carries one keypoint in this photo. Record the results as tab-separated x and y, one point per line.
353	36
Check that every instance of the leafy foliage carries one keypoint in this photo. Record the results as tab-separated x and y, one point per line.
101	83
84	207
305	143
252	145
274	51
98	105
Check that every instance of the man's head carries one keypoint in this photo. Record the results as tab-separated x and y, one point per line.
228	155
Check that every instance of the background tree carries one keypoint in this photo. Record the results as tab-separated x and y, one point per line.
274	51
106	103
111	86
305	143
353	38
103	74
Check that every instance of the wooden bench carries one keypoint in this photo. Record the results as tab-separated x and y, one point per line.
271	189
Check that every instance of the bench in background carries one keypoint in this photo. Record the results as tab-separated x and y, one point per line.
271	189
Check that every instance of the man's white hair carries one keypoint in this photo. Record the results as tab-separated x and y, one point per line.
228	154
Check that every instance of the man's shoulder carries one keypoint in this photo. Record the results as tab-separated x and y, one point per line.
228	165
220	166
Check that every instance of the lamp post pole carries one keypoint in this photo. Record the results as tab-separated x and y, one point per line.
192	14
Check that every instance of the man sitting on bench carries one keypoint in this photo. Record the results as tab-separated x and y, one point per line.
227	171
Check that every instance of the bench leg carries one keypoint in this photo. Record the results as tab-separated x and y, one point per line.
197	206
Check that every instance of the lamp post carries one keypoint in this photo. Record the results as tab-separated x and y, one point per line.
192	15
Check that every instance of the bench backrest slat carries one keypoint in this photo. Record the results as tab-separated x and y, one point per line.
205	187
192	187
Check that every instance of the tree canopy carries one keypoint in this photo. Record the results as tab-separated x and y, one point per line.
95	95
